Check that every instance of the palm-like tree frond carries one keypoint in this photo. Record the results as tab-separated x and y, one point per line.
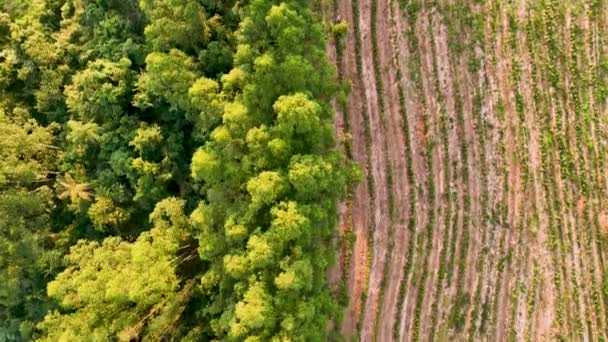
72	189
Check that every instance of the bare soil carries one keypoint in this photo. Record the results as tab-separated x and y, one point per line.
511	264
379	172
357	278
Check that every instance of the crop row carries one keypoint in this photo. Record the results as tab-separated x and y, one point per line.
388	170
415	75
370	178
411	216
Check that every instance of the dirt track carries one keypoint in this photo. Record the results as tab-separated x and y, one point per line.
481	134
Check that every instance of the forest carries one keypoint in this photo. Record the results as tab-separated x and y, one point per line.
303	170
168	171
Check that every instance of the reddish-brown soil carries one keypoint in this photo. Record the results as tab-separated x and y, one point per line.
518	208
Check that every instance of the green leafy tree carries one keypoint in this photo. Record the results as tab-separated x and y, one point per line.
175	23
185	150
122	289
29	249
98	92
269	177
167	78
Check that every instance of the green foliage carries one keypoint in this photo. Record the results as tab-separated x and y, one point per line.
29	249
98	92
167	78
265	188
175	23
340	29
110	288
211	118
275	141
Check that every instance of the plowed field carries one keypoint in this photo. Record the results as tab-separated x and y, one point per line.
481	128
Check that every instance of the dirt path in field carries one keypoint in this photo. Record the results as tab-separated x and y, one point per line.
357	276
425	262
397	155
379	142
540	241
419	140
440	75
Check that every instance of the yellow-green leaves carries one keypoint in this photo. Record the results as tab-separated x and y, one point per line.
314	177
266	188
233	81
179	23
113	285
236	118
80	133
168	77
299	122
205	165
148	138
269	178
286	26
210	241
204	94
5	27
235	232
26	150
296	276
206	102
253	312
259	252
98	92
105	213
27	157
288	222
296	114
235	265
49	97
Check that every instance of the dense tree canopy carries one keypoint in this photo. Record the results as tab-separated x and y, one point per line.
168	170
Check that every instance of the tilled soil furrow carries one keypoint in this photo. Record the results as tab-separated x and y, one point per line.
421	64
488	246
504	303
591	161
570	107
524	266
399	236
482	109
498	183
539	242
357	278
599	124
465	138
447	140
477	263
380	171
414	103
436	183
577	178
389	313
556	124
481	131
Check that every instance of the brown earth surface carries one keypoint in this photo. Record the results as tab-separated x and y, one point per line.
507	142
